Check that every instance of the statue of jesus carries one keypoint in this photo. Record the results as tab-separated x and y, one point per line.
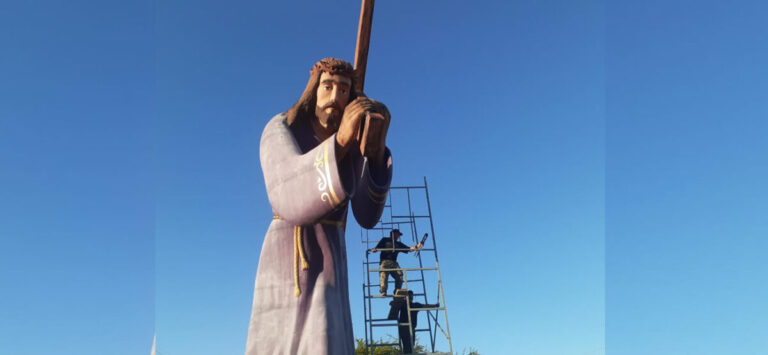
317	159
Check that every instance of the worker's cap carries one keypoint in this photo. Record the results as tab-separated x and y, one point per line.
395	233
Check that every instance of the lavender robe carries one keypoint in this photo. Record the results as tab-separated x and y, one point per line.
308	187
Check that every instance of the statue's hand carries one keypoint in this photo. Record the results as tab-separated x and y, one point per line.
374	137
349	127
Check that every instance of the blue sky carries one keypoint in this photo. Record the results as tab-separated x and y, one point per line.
77	225
596	169
686	172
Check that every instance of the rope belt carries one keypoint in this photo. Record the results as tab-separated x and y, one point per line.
298	249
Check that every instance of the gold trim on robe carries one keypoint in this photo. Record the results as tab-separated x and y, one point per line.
379	198
328	173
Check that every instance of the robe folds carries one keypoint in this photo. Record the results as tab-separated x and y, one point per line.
301	296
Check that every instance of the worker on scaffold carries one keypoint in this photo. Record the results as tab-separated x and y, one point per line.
406	325
389	247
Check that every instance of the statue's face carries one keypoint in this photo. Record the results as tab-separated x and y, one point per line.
332	98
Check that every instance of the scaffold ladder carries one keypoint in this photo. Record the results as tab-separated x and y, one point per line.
401	212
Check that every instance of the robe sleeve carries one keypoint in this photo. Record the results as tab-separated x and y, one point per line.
301	187
371	192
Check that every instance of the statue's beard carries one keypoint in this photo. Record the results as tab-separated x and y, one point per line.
330	120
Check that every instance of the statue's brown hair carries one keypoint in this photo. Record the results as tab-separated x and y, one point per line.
305	107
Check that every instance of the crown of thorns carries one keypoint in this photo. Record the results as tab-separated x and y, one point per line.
332	66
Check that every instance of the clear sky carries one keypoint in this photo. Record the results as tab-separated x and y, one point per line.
597	169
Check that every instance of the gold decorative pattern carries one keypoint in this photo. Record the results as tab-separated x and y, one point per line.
328	172
324	183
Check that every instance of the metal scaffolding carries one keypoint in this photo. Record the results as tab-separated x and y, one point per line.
409	211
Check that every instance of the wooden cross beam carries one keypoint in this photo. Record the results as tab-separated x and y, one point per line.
363	41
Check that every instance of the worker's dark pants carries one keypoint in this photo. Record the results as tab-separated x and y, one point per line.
406	338
397	275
